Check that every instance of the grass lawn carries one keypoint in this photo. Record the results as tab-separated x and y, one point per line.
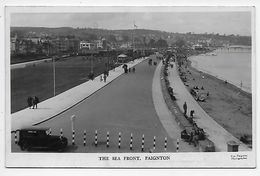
37	80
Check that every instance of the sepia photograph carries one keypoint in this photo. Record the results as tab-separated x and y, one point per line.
170	87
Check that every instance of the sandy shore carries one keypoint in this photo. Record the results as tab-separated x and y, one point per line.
228	105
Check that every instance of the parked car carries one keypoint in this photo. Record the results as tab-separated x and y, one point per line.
40	138
199	95
202	97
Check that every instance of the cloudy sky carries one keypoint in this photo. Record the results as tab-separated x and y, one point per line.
197	22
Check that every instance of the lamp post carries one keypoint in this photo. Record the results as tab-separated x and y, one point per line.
91	57
54	77
91	74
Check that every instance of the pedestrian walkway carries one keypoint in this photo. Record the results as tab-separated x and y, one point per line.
164	114
62	102
216	133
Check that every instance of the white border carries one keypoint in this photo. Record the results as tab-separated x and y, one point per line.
204	3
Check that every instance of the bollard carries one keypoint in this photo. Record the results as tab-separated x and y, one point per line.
108	139
143	143
165	144
119	140
73	137
50	132
131	142
154	138
15	138
96	138
84	138
177	145
61	133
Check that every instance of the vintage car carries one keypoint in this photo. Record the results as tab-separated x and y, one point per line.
185	134
194	92
199	95
41	139
202	96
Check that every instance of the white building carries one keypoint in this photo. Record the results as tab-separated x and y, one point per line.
197	46
86	45
99	44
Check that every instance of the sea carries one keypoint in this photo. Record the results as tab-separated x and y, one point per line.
233	65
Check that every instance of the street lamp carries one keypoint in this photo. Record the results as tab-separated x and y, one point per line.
91	57
91	74
54	77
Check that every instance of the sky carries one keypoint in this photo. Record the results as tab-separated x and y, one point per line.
197	22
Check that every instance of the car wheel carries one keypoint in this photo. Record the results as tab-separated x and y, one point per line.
24	146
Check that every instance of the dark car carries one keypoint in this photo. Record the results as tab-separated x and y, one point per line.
35	138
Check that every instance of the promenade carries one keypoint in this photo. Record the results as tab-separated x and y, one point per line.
166	117
62	102
214	131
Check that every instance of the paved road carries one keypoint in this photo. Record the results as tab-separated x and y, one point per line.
125	106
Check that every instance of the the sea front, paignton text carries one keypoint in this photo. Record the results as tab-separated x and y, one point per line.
135	158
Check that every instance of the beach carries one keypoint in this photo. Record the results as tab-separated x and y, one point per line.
227	104
233	66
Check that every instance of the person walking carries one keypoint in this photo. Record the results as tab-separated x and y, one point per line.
30	102
192	113
125	68
105	77
191	138
101	78
133	69
106	73
185	108
35	102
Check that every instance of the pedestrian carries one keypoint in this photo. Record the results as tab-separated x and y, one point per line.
133	69
101	78
106	73
192	113
150	61
105	78
125	68
35	102
195	140
185	108
29	102
191	138
129	70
